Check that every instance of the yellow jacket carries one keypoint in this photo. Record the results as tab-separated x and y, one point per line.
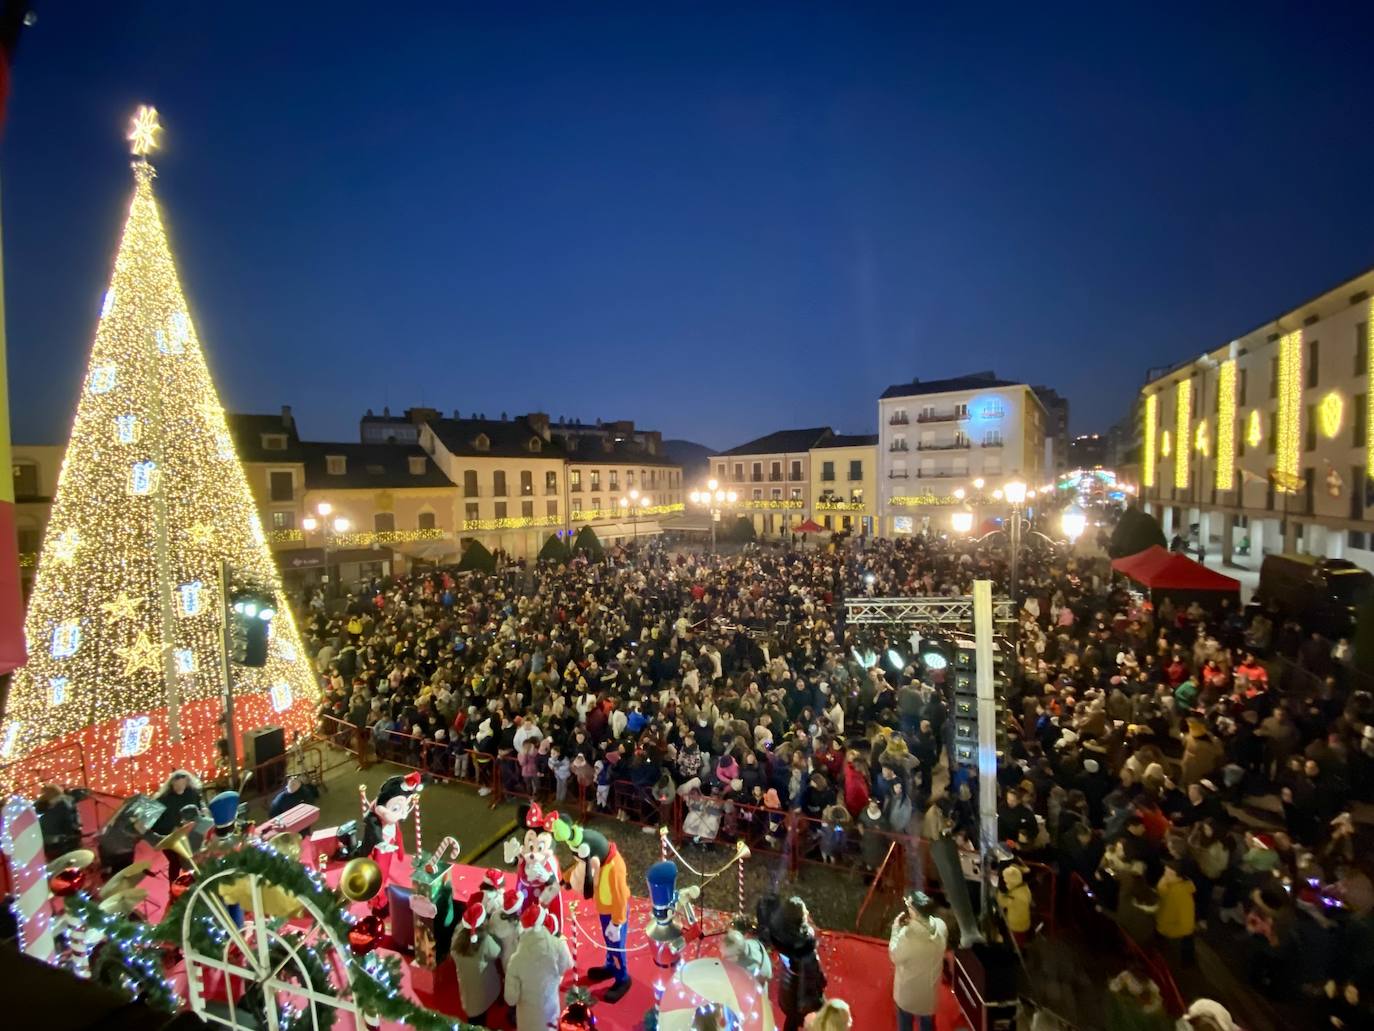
1016	907
1175	917
613	888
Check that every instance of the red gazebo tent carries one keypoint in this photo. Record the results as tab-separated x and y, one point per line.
810	526
1163	572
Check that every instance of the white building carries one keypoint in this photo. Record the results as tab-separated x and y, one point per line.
1267	437
939	435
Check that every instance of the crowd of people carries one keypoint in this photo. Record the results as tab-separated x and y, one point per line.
1143	743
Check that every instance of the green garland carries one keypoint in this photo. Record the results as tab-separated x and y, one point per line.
128	959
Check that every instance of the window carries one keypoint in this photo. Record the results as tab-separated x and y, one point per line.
720	471
335	465
629	478
498	483
1240	387
961	411
615	479
575	480
992	438
417	465
469	483
500	510
596	479
1361	349
1271	437
550	483
535	444
424	521
758	494
856	496
30	540
739	472
927	412
1357	486
827	472
1274	377
796	471
1309	442
1313	354
828	522
470	510
776	493
481	442
1359	421
757	474
856	469
383	522
1356	539
551	509
796	493
281	486
1309	490
274	441
283	520
26	480
775	471
527	509
526	483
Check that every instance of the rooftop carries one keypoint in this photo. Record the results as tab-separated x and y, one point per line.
248	429
955	384
783	442
850	440
368	466
499	437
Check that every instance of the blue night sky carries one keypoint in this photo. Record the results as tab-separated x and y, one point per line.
715	220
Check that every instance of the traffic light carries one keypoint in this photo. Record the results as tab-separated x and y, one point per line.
250	615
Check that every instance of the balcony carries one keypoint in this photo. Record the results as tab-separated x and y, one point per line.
827	478
941	416
953	445
775	477
897	474
942	475
795	476
756	478
900	419
993	443
898	445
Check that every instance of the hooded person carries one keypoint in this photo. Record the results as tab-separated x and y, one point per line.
533	975
917	950
475	955
381	839
609	885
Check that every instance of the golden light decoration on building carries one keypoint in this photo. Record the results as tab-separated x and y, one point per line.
1183	415
1200	438
1288	416
1226	425
1166	444
1147	470
1254	429
1330	414
115	612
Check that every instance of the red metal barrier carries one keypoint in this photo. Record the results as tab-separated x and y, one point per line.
1084	913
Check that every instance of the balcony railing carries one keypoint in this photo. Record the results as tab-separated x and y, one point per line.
940	475
898	446
794	476
941	416
827	479
899	420
756	478
953	445
775	477
993	443
897	474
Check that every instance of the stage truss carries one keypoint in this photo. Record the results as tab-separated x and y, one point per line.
954	612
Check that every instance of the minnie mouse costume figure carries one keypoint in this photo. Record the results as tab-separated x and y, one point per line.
382	839
537	874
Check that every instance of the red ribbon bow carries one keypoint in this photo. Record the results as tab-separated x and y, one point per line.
537	820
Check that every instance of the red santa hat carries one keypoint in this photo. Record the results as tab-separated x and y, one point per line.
535	916
493	878
512	900
474	916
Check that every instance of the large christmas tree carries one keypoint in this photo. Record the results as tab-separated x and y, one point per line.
124	625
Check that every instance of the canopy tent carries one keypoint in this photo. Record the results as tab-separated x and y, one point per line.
810	526
1165	572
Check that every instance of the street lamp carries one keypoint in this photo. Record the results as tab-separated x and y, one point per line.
632	503
962	523
714	499
1074	523
331	527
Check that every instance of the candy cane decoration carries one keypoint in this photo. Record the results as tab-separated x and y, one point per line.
415	811
740	867
576	939
448	849
362	799
662	842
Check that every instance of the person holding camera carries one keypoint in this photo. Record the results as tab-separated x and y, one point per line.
917	950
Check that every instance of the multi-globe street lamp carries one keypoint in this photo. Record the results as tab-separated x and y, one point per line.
331	528
632	503
715	499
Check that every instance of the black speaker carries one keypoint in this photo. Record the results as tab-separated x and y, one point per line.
985	986
264	752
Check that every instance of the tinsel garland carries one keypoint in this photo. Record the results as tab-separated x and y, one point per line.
128	958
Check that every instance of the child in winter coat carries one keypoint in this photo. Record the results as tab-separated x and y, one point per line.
834	827
561	768
583	772
1014	899
529	768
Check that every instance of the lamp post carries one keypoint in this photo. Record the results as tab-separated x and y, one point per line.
962	522
632	503
1015	493
330	529
1074	522
714	498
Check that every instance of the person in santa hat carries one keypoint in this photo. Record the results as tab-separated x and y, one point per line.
535	973
475	955
506	926
381	838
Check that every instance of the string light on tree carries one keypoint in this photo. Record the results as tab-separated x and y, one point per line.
135	538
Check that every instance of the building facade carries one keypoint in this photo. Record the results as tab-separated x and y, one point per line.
844	483
772	478
35	469
938	436
1058	444
1263	443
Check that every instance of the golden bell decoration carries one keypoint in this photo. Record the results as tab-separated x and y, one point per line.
360	880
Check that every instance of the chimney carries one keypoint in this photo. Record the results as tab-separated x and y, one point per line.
457	414
539	422
386	412
287	419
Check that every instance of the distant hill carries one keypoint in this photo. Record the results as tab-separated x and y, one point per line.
692	457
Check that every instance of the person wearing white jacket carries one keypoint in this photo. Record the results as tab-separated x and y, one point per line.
917	951
533	977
